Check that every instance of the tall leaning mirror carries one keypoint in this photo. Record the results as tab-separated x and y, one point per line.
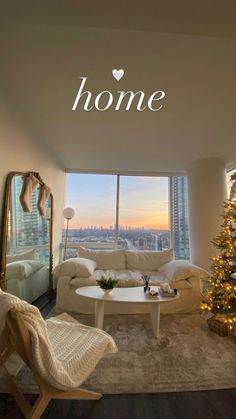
26	242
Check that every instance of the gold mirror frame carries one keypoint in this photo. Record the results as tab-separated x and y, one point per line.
4	230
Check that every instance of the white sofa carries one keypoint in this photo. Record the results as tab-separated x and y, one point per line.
127	267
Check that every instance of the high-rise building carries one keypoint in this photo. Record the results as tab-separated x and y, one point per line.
179	216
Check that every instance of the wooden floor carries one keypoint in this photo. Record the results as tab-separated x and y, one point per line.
218	404
45	304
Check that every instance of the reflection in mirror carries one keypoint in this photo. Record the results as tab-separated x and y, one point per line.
28	244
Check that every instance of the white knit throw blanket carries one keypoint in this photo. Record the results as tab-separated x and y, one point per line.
64	353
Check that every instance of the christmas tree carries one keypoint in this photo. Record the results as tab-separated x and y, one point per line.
220	296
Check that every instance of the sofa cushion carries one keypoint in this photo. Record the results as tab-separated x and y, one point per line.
80	267
128	278
147	261
177	270
105	259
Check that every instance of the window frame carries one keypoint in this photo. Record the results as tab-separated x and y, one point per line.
118	175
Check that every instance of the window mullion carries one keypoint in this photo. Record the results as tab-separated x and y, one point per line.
117	207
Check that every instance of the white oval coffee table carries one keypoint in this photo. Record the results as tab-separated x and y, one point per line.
134	295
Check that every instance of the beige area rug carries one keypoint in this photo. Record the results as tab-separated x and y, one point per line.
187	357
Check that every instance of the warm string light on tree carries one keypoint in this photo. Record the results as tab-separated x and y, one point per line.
220	296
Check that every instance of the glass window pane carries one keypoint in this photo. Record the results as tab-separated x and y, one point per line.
179	216
94	199
144	213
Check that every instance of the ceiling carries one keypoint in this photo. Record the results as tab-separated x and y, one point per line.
202	17
189	52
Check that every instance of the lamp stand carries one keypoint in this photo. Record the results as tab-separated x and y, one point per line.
66	239
68	214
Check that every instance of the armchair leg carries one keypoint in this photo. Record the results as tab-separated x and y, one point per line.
18	396
39	407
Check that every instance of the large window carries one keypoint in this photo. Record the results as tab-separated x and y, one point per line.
143	213
130	212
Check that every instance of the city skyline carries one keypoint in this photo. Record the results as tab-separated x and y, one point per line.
120	227
143	201
144	212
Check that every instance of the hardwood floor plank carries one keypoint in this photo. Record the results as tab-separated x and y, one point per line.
217	404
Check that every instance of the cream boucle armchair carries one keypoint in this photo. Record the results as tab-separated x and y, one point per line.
60	352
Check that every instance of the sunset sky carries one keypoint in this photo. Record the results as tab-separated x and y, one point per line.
143	201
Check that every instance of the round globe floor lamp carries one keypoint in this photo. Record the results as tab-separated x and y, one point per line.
68	214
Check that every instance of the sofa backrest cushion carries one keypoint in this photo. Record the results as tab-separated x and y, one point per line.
147	261
105	259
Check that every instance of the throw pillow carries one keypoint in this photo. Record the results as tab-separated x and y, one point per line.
177	270
80	267
105	259
147	261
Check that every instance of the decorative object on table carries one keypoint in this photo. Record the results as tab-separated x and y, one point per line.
167	291
220	296
146	279
68	214
153	293
107	284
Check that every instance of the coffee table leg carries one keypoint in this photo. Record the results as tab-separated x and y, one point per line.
99	313
155	316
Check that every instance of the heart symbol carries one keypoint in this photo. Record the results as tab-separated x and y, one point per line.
118	74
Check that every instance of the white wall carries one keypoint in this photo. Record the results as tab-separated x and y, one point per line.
19	151
206	195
